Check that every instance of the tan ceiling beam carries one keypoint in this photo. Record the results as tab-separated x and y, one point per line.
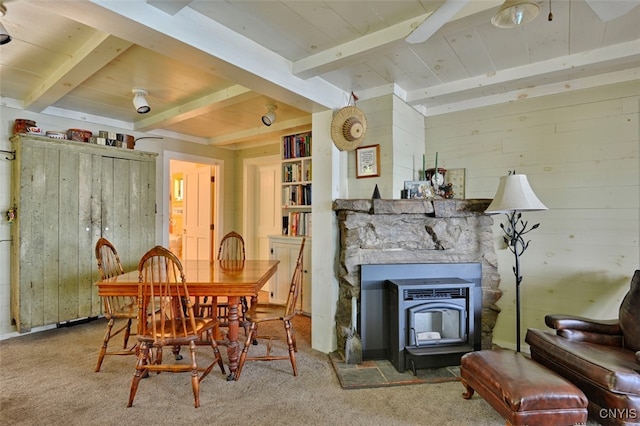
481	100
260	131
100	49
623	52
169	6
441	16
355	50
211	102
417	29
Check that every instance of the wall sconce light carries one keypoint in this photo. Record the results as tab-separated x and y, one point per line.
514	13
139	101
270	117
5	37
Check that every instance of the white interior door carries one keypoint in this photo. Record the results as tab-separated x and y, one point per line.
262	193
268	214
197	214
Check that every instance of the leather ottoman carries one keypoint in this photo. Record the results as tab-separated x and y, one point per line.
521	390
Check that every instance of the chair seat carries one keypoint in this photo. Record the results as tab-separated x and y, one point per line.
202	325
130	310
266	312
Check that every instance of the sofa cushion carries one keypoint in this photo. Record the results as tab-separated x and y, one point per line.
609	367
630	315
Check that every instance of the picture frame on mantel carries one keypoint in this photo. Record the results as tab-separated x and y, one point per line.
456	177
368	161
418	189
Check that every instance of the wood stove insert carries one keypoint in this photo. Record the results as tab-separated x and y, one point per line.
431	322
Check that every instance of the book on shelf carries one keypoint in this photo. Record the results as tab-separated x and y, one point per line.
296	146
296	195
295	172
297	224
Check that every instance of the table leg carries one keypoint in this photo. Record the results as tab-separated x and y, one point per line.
232	347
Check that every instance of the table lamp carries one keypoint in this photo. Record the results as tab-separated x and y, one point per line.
514	196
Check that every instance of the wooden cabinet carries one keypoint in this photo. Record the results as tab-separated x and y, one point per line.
286	249
296	184
67	195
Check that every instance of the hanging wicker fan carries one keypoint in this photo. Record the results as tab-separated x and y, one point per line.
348	127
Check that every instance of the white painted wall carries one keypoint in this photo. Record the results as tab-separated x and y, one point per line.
408	149
399	130
328	178
580	152
271	148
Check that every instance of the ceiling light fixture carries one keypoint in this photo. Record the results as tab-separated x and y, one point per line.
139	101
5	37
270	117
514	13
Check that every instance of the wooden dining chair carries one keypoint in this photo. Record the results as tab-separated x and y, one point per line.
231	247
230	250
260	313
171	321
115	307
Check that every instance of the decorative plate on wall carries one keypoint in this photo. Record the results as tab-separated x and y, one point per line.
348	128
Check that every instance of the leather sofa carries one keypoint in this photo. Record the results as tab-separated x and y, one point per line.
600	357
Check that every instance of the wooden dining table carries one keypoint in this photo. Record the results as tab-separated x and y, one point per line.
233	279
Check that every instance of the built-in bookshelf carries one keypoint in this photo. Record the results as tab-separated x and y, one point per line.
296	184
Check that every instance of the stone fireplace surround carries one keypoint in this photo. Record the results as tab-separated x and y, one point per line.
379	231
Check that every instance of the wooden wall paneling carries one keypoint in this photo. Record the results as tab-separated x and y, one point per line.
107	203
50	278
142	209
33	222
119	215
86	256
21	299
95	226
134	219
148	207
68	195
68	239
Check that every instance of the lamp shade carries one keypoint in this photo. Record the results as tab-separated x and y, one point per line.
514	193
514	13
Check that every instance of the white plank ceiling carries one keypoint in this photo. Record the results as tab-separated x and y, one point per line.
211	67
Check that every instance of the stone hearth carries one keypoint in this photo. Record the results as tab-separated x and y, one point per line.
381	231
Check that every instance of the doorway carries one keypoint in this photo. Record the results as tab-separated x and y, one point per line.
193	206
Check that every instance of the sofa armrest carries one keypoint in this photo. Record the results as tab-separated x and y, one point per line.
603	332
572	322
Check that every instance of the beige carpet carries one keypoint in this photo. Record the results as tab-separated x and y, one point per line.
47	378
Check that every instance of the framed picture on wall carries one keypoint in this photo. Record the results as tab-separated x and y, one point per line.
368	161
